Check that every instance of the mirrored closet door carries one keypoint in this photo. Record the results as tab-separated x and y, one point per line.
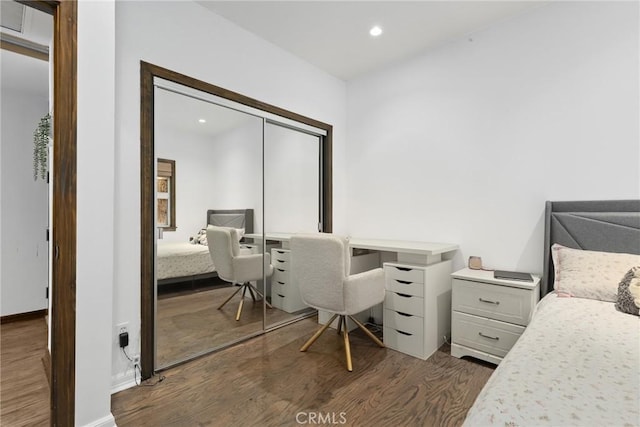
213	157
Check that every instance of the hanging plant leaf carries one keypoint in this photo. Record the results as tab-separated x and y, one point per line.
40	147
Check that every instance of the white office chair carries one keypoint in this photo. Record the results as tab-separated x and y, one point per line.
320	266
235	267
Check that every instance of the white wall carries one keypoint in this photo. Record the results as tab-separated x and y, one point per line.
465	143
212	173
95	212
187	38
24	219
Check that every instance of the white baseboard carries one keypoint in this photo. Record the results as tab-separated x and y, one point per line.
122	382
107	421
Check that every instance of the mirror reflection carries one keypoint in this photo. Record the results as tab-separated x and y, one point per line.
215	179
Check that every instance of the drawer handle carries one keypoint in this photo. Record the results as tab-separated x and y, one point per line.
403	295
404	314
403	282
404	333
279	260
487	336
281	296
404	268
489	301
280	252
280	270
282	283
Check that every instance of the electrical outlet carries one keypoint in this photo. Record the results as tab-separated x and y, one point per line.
136	360
120	328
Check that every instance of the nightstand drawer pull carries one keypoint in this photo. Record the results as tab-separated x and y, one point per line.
282	283
403	295
404	282
404	268
489	301
280	270
404	314
404	333
487	336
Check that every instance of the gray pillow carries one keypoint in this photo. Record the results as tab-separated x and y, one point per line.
628	300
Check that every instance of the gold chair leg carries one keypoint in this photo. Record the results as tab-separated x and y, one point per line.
317	334
347	348
244	291
368	332
229	299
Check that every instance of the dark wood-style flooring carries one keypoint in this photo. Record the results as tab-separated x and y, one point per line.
24	388
267	381
189	322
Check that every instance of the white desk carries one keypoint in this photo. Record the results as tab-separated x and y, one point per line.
407	251
416	313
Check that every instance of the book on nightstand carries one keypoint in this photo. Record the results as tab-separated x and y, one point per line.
512	275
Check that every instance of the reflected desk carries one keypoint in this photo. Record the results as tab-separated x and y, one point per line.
416	313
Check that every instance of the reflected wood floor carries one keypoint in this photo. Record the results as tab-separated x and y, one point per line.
267	381
189	322
24	389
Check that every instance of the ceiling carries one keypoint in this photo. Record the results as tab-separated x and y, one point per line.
334	35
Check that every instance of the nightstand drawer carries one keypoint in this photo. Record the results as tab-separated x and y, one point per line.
412	344
404	303
406	273
491	336
403	322
495	302
279	287
277	300
281	264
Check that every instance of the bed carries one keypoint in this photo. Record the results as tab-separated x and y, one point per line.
179	262
578	361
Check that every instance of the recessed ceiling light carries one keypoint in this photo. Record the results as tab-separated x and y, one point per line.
202	121
375	31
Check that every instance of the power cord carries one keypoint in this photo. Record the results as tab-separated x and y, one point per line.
137	370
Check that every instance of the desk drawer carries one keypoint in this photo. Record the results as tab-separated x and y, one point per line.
280	275
405	287
495	302
408	304
281	264
281	254
277	300
406	273
412	344
403	322
491	336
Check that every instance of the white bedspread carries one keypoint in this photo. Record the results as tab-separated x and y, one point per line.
177	259
577	364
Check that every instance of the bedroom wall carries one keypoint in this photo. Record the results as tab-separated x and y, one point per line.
24	256
221	172
464	143
185	37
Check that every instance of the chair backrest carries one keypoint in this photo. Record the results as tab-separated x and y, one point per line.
223	247
319	266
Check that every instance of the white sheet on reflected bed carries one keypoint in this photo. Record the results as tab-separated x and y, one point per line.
178	259
576	364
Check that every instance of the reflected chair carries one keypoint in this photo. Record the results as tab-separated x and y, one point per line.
320	266
234	266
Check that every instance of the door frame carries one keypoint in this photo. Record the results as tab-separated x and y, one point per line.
63	287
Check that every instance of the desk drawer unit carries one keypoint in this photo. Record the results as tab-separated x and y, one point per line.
417	307
285	294
489	315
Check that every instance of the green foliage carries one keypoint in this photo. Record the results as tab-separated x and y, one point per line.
40	147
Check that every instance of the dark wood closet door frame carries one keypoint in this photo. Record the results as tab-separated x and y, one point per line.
147	179
63	291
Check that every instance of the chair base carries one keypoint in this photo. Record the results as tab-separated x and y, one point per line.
345	333
247	286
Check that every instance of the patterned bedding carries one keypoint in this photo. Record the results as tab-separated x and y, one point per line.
177	259
576	364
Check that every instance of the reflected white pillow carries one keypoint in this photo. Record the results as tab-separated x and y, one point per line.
590	274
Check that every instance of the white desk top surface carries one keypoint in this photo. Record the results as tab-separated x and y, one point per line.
426	248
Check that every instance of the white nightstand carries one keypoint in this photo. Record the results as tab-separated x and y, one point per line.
489	315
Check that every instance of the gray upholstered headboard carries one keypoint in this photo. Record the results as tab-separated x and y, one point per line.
608	226
236	218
